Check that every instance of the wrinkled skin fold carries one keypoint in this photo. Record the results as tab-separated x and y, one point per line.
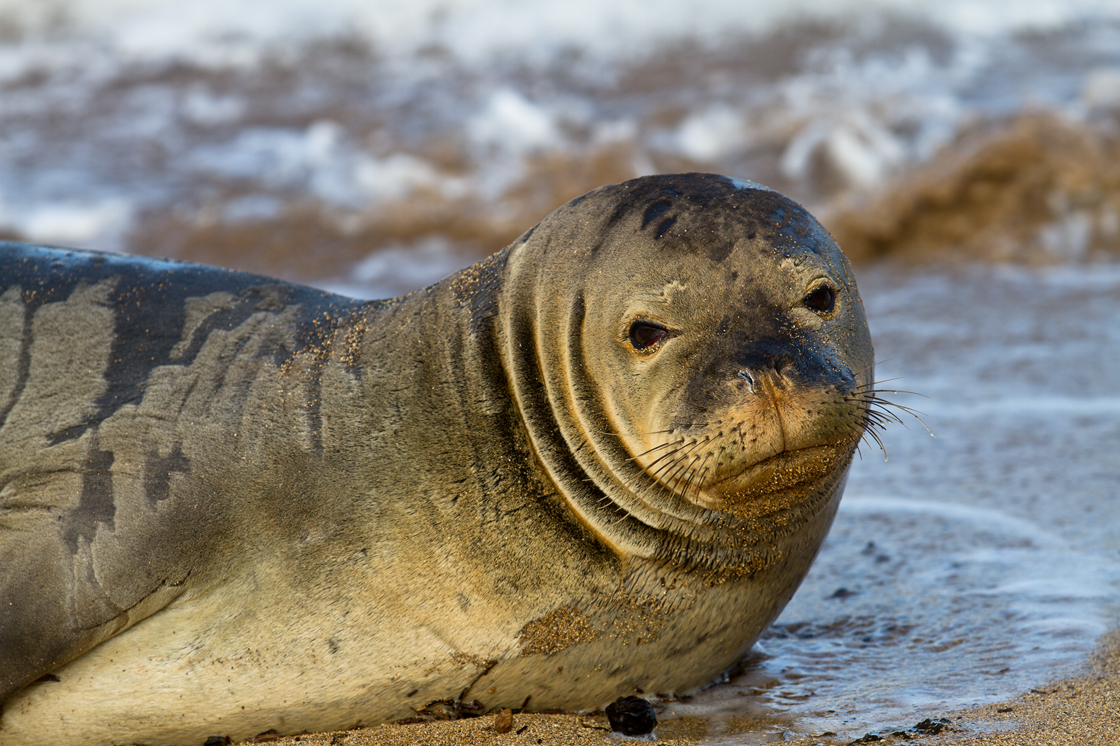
600	460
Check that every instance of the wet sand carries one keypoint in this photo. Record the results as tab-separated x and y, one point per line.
1075	712
1084	710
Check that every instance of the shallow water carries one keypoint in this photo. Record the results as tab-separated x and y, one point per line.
373	150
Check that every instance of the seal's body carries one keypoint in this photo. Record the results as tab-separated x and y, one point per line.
600	460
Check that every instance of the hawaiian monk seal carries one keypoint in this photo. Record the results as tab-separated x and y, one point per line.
600	460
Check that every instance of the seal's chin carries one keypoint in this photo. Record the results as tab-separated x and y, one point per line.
778	473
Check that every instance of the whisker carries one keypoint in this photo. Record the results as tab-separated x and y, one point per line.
686	465
620	435
875	436
894	391
882	418
872	384
912	412
696	474
876	407
660	472
679	447
682	468
656	448
902	407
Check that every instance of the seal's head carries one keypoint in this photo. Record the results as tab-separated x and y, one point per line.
693	362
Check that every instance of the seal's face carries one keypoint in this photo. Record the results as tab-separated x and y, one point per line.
716	357
733	376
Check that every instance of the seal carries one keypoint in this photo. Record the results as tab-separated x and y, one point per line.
596	462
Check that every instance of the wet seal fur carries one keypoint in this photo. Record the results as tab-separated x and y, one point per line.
600	460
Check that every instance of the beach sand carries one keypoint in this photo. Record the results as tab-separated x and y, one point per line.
550	730
1081	711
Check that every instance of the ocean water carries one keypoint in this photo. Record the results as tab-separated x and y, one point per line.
965	152
302	137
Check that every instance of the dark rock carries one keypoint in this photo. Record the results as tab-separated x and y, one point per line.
631	716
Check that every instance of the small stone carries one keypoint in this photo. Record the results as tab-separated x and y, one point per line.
503	721
932	727
631	716
868	738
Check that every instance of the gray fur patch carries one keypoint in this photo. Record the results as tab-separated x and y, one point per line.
95	505
158	470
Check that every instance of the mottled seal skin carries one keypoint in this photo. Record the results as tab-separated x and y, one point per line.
600	460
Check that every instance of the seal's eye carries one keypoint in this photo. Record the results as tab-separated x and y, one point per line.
646	334
821	300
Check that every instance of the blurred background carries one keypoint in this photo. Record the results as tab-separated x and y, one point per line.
966	155
391	141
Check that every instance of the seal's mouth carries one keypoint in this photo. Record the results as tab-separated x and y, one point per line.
778	473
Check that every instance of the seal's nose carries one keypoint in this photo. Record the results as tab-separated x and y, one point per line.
785	365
